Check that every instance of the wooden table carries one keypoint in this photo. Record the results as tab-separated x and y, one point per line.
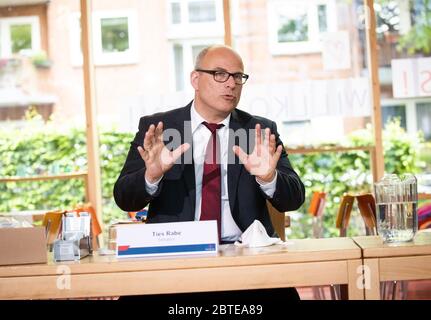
388	262
308	262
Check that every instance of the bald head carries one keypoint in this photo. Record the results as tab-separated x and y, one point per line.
215	99
207	52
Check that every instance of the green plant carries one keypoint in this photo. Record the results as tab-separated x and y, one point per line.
418	38
43	149
41	60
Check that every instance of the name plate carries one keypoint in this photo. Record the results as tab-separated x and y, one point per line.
157	239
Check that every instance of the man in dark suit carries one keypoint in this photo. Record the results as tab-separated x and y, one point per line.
176	178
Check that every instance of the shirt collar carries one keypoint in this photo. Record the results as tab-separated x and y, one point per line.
197	119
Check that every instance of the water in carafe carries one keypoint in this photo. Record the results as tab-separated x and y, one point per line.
396	201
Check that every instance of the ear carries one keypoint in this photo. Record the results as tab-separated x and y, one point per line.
194	79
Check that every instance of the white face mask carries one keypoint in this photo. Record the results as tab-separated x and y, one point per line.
256	236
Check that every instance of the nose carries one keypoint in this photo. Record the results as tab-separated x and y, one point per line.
230	82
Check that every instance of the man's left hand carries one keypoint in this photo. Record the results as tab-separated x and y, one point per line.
262	162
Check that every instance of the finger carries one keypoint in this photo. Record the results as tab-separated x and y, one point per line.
150	133
258	138
267	135
153	134
159	132
258	135
272	144
240	154
277	154
142	153
147	141
179	151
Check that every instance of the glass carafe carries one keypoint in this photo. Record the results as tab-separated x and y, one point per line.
396	200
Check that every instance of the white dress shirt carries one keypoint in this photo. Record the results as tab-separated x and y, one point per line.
201	135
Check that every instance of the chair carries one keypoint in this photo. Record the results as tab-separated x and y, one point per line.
343	214
316	208
280	221
367	209
342	222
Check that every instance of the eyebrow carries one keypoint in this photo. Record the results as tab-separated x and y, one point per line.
223	69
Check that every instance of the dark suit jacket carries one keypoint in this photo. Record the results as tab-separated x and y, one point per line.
175	198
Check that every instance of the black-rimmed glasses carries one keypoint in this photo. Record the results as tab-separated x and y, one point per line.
223	76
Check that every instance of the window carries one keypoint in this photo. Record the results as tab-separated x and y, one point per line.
202	11
192	25
114	38
390	113
184	57
423	111
195	18
296	26
175	13
179	67
115	34
19	35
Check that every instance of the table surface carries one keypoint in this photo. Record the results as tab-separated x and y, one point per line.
293	251
305	262
373	246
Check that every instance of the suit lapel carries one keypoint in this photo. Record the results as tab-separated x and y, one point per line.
234	167
183	124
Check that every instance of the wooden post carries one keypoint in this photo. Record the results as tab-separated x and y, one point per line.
373	164
227	23
87	188
94	185
373	70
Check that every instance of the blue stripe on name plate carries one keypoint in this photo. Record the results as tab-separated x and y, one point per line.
169	249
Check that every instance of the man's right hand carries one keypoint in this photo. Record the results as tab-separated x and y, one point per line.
158	159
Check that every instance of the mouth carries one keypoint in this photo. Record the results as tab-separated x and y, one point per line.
228	97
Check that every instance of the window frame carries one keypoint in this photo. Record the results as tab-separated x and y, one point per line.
101	58
313	45
188	63
422	101
410	108
5	35
186	29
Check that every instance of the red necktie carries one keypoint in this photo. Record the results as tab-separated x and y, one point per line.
211	180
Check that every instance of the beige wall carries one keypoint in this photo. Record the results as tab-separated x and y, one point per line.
150	75
113	83
252	42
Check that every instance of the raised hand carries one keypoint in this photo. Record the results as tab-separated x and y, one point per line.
262	162
158	159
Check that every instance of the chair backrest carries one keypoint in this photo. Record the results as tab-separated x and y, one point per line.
367	208
316	208
278	220
317	203
343	215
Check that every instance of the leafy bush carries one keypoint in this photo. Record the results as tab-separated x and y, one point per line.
46	150
43	149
